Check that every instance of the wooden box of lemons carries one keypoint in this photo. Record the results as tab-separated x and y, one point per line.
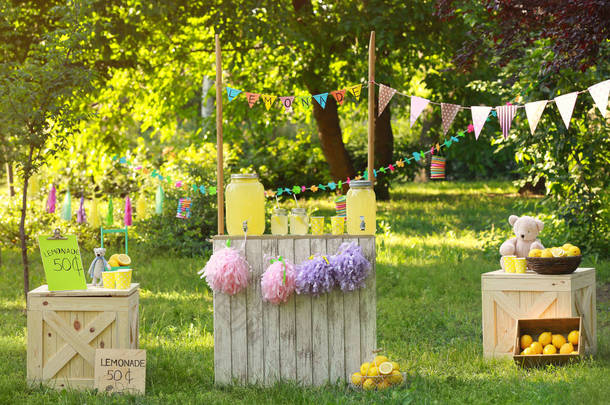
119	259
381	373
563	251
549	343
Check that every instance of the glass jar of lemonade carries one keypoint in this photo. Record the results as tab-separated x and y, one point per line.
361	208
298	221
245	201
279	222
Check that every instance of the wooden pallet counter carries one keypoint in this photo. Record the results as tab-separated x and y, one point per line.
66	327
507	297
311	340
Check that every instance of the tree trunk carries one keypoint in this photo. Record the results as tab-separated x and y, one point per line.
9	175
22	237
384	151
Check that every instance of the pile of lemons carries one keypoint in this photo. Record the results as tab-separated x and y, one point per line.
549	343
379	374
563	251
117	260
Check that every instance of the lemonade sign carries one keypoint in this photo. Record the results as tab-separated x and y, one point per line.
62	262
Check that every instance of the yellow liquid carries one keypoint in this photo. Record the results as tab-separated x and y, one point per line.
279	224
361	202
298	224
245	201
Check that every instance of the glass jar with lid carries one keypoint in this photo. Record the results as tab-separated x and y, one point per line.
279	222
298	221
361	208
245	202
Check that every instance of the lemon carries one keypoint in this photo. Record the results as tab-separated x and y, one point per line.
383	385
573	337
573	251
545	338
113	262
566	348
124	260
549	349
535	253
364	368
567	246
379	359
558	252
558	341
115	257
528	351
536	347
521	354
546	253
395	366
368	384
357	378
574	352
373	372
526	340
395	377
386	368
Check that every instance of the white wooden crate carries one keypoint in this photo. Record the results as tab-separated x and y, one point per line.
311	340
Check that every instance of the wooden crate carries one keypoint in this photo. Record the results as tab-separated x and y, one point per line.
534	327
510	296
66	327
311	340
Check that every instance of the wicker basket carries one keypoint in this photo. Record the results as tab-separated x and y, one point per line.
553	265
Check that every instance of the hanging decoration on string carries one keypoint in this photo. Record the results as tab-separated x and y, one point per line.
506	113
95	216
110	214
127	217
184	208
418	105
448	113
141	207
385	95
81	217
534	111
51	199
479	117
159	197
321	99
565	105
437	167
600	92
33	185
66	208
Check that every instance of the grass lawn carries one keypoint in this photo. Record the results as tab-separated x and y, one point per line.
430	256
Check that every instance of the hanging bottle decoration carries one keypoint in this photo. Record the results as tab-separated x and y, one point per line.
159	200
110	214
184	208
33	185
127	217
141	207
95	216
66	209
52	200
81	217
437	167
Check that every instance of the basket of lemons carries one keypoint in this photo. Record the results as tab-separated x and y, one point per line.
379	374
555	260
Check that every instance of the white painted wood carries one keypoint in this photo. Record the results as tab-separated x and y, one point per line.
288	366
304	343
336	326
271	326
319	320
222	333
368	303
254	316
239	335
35	352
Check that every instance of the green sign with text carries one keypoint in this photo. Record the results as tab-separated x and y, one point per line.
62	263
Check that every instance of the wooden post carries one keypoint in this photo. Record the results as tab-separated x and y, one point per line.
372	116
219	158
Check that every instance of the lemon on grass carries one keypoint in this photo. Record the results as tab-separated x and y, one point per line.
526	341
373	372
549	349
545	338
528	351
364	368
535	253
566	348
379	359
385	384
123	259
386	368
573	337
357	378
395	377
546	253
558	340
536	347
368	384
395	366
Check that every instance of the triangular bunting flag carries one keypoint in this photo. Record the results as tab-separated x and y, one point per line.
321	99
385	95
355	91
252	98
287	102
305	101
600	92
268	100
232	93
506	113
417	106
339	96
565	105
534	112
479	115
448	113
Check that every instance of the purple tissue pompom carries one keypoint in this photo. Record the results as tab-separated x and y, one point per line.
350	267
315	276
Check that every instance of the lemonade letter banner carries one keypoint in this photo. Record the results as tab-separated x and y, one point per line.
62	263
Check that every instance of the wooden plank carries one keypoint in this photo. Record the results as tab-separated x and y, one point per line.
525	284
336	326
288	367
304	345
372	115
254	315
64	372
91	291
292	237
319	320
222	333
591	307
77	364
271	326
368	303
35	346
489	326
122	328
239	333
501	274
58	325
80	303
219	151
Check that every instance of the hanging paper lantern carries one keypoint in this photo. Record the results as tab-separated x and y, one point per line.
159	197
278	281
314	276
34	185
141	207
340	206
66	209
81	217
110	214
226	271
127	217
184	208
95	216
349	266
51	200
437	168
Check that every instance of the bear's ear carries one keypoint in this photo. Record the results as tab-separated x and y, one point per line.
512	219
539	224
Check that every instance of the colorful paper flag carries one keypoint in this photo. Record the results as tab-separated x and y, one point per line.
268	100
339	96
95	216
287	102
321	99
506	113
385	95
127	217
534	112
565	105
110	214
448	113
417	106
600	92
159	198
66	208
232	93
479	115
141	207
81	217
252	98
355	91
51	200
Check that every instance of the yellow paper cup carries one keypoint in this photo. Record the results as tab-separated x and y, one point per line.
509	264
317	225
337	225
520	265
123	279
109	279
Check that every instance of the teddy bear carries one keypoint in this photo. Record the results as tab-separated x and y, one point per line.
526	231
98	265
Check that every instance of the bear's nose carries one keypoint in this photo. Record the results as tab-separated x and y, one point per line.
522	235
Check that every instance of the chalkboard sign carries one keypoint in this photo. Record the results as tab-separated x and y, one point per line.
62	263
120	371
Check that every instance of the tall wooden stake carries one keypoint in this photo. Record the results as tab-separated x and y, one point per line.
219	157
372	116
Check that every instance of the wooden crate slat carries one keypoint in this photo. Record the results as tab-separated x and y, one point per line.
239	336
222	333
336	326
304	344
288	366
319	320
254	320
35	346
368	304
271	327
351	315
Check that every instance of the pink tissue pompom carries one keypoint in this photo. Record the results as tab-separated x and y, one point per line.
226	271
272	283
